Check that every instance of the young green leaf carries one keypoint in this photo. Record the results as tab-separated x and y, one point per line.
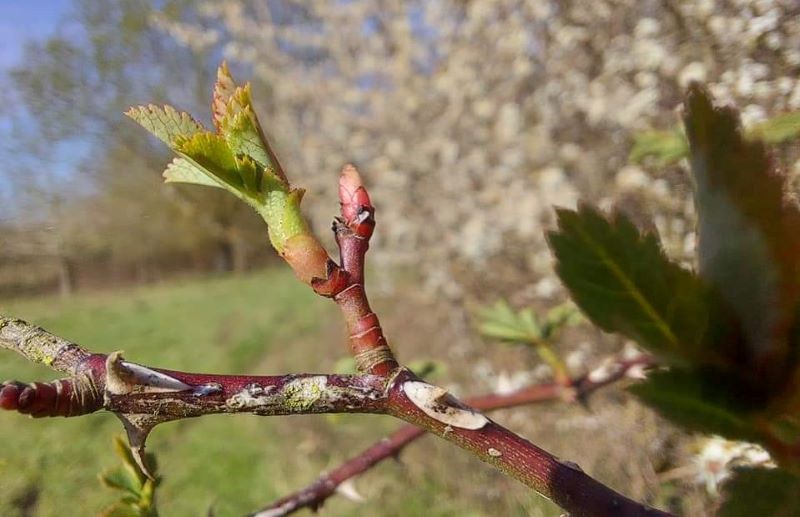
760	491
138	491
166	123
501	322
181	170
749	233
664	147
778	129
242	131
700	401
623	282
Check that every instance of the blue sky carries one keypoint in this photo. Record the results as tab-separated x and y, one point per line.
22	20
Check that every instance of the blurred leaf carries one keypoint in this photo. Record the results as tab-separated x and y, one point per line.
664	147
181	170
345	365
427	368
165	123
699	401
669	147
501	322
121	509
623	282
759	491
138	492
563	315
778	129
120	479
749	235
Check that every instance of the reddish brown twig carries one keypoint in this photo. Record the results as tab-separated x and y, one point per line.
345	283
314	495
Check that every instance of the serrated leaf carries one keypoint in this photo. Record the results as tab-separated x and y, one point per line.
700	401
664	147
165	123
243	135
749	234
623	282
760	491
181	170
778	129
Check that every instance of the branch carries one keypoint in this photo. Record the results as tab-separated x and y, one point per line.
142	397
238	158
315	494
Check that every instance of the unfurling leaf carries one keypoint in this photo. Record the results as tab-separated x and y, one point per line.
761	491
181	170
166	123
223	89
749	233
623	282
237	158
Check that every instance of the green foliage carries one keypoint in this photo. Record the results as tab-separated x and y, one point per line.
236	157
525	327
666	148
773	492
663	147
138	492
778	129
625	283
703	403
729	333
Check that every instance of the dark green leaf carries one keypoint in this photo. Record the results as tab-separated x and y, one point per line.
624	283
703	402
749	234
759	491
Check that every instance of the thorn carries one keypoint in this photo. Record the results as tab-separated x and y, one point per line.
348	490
123	377
138	427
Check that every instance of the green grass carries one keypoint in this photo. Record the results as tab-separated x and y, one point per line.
266	323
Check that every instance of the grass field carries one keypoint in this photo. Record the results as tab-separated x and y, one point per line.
265	322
